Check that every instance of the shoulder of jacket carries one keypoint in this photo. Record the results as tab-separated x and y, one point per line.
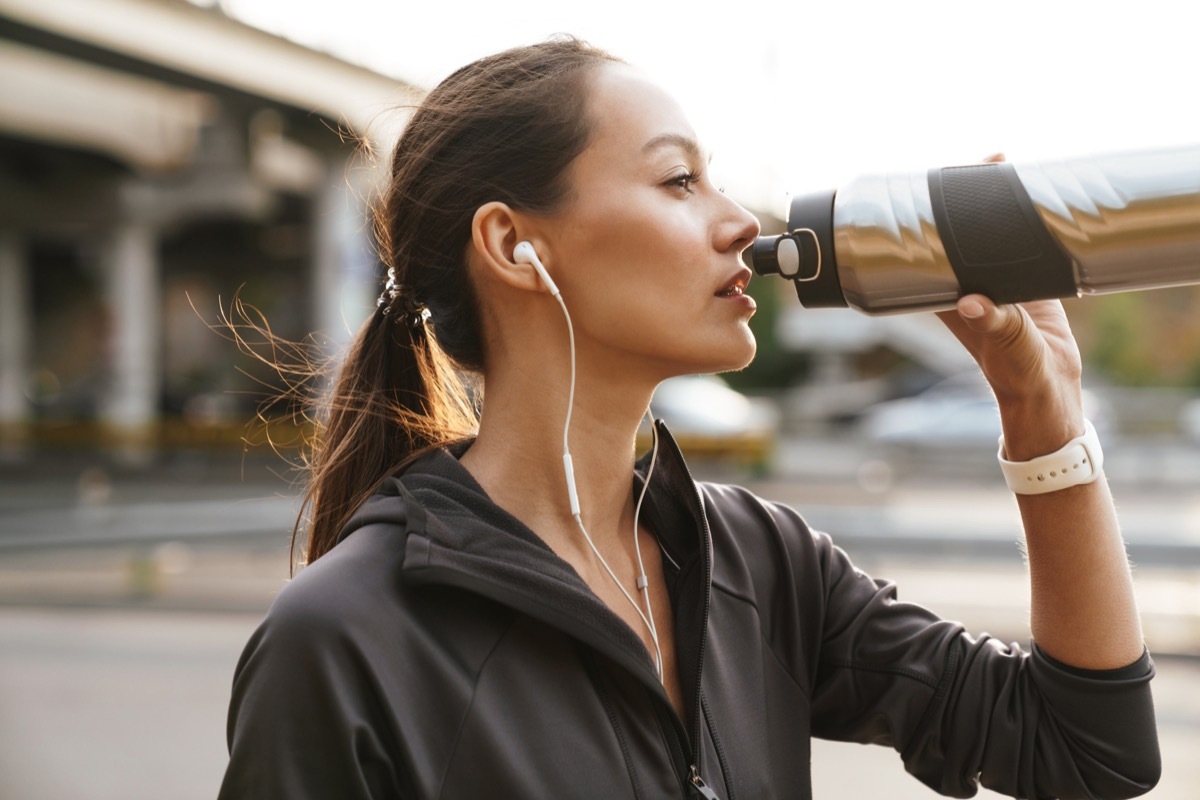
756	540
737	512
344	582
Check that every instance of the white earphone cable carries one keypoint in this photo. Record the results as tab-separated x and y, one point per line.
643	583
575	511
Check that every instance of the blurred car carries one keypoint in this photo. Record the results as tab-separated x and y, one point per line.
957	413
1189	420
711	420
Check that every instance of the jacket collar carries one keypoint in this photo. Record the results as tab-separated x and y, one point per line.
455	535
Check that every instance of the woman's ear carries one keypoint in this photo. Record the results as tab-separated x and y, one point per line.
495	232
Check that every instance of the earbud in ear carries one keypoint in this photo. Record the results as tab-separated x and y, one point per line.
525	254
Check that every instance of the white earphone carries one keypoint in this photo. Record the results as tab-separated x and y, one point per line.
524	253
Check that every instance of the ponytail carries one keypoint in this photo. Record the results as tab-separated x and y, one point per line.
396	396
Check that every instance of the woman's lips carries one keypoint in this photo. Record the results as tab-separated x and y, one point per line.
736	293
736	287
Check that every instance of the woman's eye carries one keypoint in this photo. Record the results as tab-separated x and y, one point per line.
685	181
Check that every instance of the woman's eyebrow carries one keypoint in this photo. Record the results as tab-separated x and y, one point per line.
684	143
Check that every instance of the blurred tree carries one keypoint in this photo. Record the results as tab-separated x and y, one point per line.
1141	338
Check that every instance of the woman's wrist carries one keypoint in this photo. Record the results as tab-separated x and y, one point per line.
1035	425
1077	462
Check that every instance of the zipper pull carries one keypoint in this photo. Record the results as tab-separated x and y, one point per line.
702	787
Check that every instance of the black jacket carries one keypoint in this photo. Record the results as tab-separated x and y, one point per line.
442	650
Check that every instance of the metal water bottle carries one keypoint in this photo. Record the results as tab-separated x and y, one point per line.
896	243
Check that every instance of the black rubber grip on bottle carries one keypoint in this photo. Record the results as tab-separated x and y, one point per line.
994	238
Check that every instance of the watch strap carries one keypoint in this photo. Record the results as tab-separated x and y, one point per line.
1077	462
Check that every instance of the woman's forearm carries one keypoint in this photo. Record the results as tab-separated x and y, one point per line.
1083	609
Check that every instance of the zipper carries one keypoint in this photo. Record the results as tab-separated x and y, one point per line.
700	786
698	715
712	729
680	753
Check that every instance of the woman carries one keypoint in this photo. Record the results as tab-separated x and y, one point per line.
473	622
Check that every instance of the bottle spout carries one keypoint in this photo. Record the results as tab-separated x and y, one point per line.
804	255
774	255
795	255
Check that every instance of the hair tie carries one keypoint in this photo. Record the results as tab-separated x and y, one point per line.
414	312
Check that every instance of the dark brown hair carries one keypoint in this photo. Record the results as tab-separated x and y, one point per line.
504	128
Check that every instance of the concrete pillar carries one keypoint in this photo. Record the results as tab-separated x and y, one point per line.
130	409
343	267
16	319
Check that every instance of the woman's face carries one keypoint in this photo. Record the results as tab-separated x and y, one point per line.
646	252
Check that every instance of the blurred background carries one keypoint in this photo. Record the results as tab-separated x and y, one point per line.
159	158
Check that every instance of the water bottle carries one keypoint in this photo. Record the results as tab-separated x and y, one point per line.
888	244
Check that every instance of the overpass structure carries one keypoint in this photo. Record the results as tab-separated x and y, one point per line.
154	156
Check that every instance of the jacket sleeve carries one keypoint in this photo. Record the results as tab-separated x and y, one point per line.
302	716
964	711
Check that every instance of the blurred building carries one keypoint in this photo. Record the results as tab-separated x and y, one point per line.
836	363
857	361
156	158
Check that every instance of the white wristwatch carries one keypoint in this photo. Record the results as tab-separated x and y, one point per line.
1079	461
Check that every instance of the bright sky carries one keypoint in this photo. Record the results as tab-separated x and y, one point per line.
799	96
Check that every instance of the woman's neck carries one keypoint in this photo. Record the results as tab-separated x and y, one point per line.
518	457
518	454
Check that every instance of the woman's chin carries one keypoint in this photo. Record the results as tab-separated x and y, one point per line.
733	358
749	348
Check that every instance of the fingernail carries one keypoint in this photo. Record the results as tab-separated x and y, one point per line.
971	309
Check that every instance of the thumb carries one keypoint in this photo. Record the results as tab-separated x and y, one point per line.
985	317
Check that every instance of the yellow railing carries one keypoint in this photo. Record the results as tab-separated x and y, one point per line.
171	433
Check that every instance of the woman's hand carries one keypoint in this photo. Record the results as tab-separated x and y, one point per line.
1029	357
1031	360
1021	349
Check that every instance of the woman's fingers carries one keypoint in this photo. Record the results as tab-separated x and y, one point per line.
1004	339
977	322
1003	324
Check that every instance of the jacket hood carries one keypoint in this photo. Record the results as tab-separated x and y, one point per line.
454	534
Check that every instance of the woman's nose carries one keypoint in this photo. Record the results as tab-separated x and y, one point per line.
742	228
